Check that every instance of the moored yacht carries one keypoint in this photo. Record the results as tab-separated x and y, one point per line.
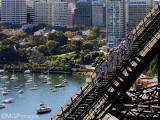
9	100
7	82
44	81
34	87
5	92
27	72
4	77
3	88
13	77
49	83
65	81
2	105
41	76
61	77
53	90
60	85
21	92
41	103
41	110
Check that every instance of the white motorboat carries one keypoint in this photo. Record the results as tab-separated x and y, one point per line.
2	105
27	83
4	77
48	78
44	81
49	83
3	88
60	85
34	85
29	80
53	90
65	81
41	110
61	77
21	92
9	100
41	76
7	82
13	77
41	103
34	88
5	92
27	72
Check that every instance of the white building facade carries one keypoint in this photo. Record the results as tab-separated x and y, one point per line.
51	13
13	11
123	16
70	16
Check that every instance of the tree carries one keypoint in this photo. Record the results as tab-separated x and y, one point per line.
29	31
64	49
52	36
78	43
94	33
61	38
68	33
7	53
10	41
22	56
40	26
31	43
52	46
39	41
2	35
87	45
91	36
95	30
58	36
43	49
36	57
87	59
35	66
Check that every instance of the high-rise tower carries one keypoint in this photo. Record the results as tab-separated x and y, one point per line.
115	22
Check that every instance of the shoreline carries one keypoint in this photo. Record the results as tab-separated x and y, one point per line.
83	74
80	73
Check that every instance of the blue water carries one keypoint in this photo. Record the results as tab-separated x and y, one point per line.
25	105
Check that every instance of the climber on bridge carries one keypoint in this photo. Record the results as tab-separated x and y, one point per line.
109	62
114	61
123	50
127	44
97	71
119	52
130	38
104	67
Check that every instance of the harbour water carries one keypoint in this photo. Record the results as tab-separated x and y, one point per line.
26	104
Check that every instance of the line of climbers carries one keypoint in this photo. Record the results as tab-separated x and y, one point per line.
115	57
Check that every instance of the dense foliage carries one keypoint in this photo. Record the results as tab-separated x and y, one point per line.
152	69
22	51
